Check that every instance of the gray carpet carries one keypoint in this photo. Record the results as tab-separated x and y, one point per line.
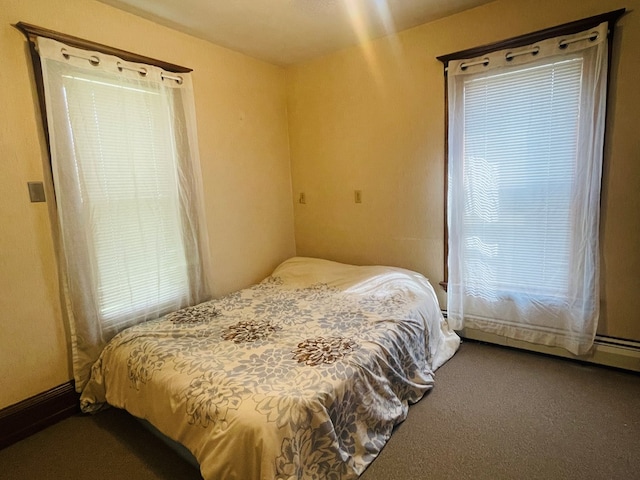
494	413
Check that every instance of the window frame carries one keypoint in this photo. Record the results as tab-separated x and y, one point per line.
32	32
515	42
89	333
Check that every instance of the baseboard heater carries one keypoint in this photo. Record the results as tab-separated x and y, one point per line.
607	351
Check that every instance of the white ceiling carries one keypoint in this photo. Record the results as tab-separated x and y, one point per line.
285	32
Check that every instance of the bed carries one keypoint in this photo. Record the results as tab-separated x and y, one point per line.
302	376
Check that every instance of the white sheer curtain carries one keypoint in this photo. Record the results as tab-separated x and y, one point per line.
526	130
128	193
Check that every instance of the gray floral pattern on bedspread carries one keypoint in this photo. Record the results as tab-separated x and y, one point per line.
297	383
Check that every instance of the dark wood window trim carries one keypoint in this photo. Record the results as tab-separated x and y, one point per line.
515	42
33	31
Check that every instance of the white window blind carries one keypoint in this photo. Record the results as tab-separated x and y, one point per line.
520	144
126	173
526	130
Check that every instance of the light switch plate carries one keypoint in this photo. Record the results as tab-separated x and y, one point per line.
36	191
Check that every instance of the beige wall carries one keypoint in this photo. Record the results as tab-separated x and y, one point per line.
361	119
372	119
242	128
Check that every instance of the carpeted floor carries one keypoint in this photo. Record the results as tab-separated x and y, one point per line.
494	413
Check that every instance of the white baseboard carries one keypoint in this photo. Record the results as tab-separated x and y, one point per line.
608	351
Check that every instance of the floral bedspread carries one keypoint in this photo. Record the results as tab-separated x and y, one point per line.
292	378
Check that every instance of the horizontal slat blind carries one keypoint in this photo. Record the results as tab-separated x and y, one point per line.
519	167
126	171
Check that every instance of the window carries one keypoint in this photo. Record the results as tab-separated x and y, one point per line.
519	174
127	192
525	139
124	167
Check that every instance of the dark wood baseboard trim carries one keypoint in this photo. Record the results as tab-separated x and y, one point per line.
29	416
